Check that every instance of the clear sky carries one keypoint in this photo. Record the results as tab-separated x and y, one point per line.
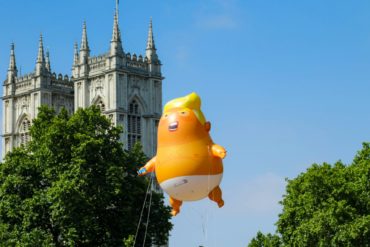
284	83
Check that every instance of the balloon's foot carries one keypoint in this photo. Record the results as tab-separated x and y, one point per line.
221	203
174	212
175	204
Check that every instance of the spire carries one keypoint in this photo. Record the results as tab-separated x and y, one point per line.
151	53
47	60
116	36
12	70
40	63
117	2
84	48
76	56
150	43
12	64
84	42
116	44
40	55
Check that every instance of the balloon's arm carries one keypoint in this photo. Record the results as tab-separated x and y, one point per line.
218	151
149	167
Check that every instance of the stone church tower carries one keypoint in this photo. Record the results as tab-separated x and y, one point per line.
127	88
22	95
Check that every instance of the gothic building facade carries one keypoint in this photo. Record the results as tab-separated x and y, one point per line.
127	88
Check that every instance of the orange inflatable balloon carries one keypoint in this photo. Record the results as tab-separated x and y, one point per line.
188	165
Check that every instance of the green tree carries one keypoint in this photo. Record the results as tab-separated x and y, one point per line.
74	185
129	242
267	240
328	205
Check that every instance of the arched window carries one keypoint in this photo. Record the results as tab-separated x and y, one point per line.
24	131
134	124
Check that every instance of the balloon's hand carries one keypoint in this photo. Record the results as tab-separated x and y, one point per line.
149	167
218	151
142	171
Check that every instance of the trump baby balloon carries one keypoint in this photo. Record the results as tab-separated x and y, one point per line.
188	165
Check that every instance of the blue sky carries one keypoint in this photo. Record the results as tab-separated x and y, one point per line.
284	83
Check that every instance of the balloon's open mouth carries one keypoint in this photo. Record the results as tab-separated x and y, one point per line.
173	126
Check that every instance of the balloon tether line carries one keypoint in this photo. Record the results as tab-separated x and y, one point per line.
142	209
150	204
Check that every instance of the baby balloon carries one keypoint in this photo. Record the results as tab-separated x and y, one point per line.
188	165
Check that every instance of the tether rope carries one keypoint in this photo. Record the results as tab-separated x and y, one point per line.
142	209
150	204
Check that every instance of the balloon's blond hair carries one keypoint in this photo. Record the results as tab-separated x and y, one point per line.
191	101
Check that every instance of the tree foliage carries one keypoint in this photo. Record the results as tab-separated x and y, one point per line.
74	185
328	205
267	240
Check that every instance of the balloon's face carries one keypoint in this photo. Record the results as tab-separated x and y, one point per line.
179	124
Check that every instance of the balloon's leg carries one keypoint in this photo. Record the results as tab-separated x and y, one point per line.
216	196
175	204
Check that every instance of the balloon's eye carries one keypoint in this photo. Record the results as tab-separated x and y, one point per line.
183	113
165	115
